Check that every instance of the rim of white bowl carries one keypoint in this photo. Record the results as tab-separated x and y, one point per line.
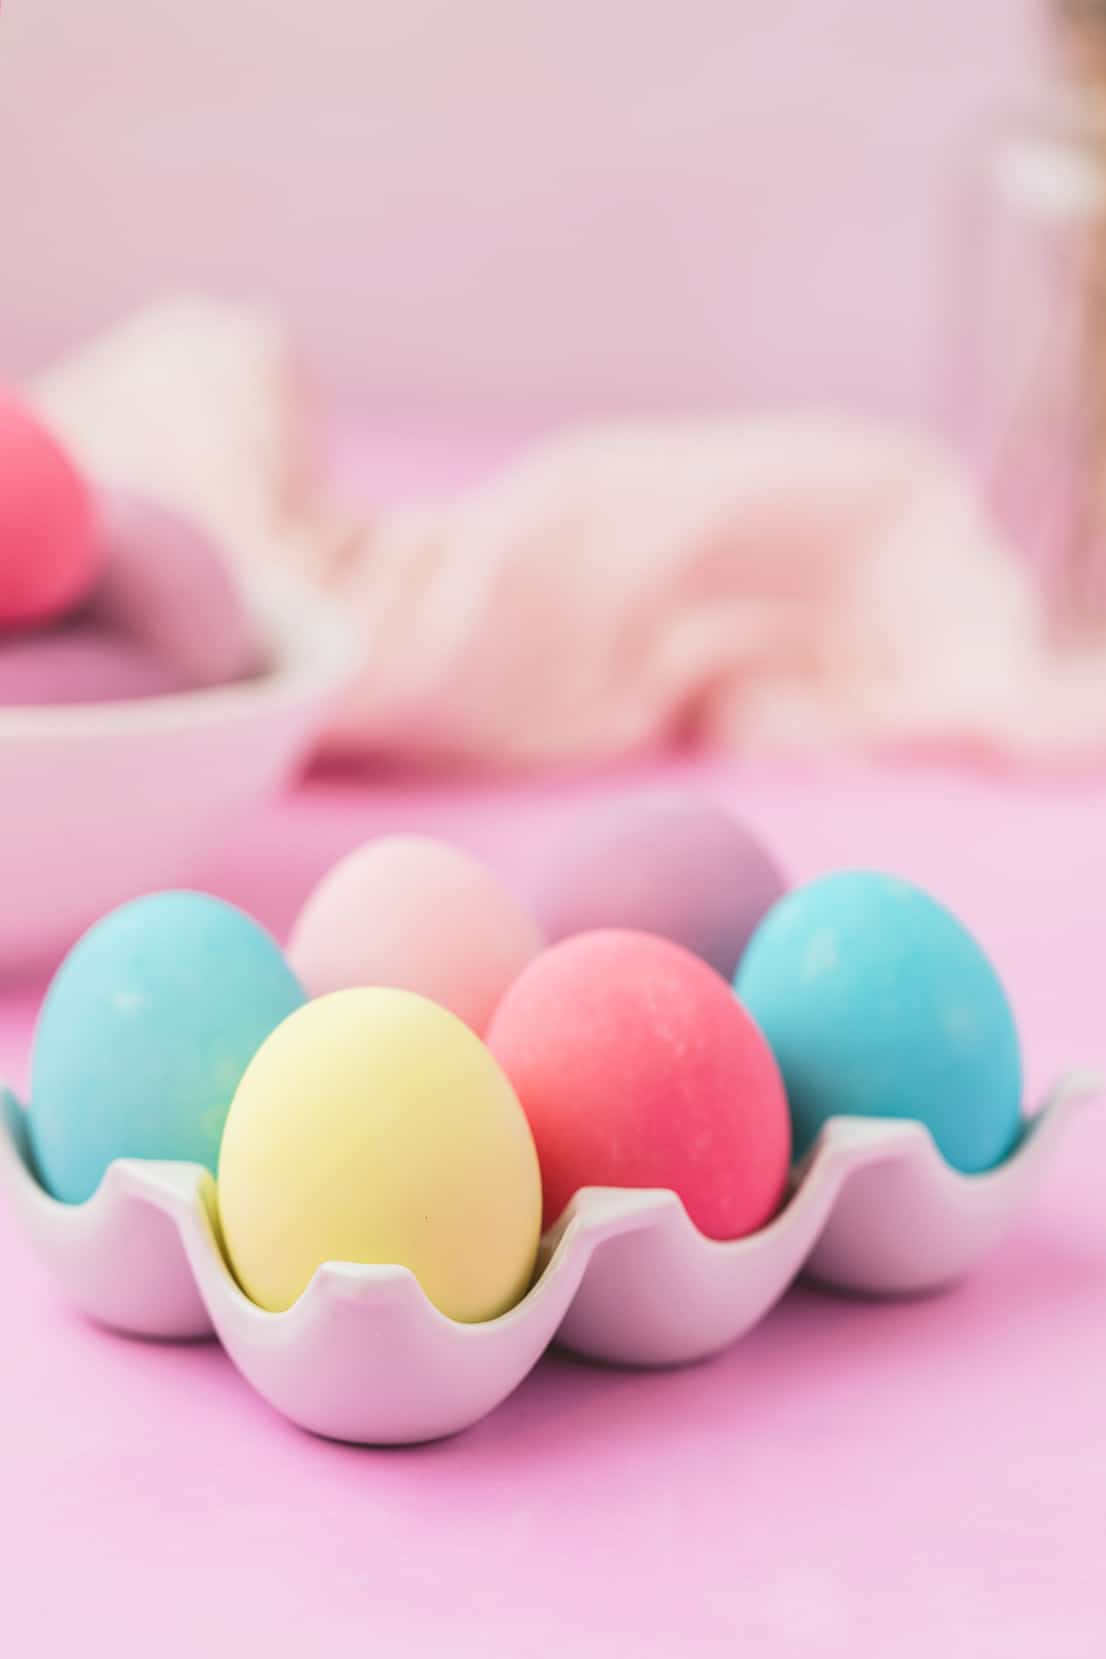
310	646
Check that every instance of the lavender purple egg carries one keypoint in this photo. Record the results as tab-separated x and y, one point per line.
81	662
677	866
165	616
168	587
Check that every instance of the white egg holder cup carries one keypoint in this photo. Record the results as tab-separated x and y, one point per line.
624	1277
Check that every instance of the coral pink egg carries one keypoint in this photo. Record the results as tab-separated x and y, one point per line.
49	559
415	914
638	1067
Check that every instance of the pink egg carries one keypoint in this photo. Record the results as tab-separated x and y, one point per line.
49	558
418	915
638	1067
673	865
81	662
170	588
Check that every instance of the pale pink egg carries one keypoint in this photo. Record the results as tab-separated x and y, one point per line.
415	914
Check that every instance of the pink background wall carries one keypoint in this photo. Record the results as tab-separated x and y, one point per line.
508	209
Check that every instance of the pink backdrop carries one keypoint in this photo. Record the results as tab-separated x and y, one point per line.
509	210
855	1480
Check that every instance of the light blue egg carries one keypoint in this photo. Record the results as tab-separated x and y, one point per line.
877	1001
144	1033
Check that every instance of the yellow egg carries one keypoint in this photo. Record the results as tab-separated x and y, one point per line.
373	1126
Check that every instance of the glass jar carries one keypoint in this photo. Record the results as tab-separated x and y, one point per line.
1032	364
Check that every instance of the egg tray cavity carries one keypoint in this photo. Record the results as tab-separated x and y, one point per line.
623	1277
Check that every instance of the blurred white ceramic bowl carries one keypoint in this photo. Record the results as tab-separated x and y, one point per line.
102	801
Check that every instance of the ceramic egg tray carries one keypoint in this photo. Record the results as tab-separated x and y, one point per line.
623	1277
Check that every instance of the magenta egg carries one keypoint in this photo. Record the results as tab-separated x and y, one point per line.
49	555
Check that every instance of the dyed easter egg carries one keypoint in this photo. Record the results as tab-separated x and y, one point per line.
49	557
637	1067
374	1126
80	662
418	915
144	1034
167	587
675	865
878	1002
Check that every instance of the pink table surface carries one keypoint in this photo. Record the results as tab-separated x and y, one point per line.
899	1480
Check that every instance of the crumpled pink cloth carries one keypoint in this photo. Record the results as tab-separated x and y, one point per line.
782	582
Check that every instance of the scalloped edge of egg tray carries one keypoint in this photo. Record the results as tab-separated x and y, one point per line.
624	1276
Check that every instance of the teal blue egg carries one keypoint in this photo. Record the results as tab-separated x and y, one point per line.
144	1033
876	1001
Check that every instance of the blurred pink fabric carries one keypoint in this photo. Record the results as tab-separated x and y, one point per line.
786	582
